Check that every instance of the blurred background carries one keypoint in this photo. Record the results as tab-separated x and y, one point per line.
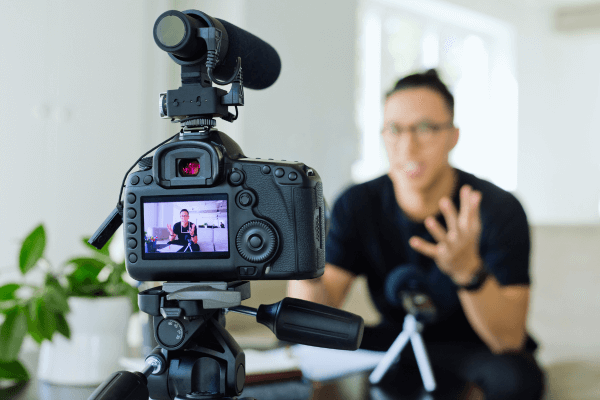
79	85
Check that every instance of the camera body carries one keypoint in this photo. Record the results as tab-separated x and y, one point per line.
247	219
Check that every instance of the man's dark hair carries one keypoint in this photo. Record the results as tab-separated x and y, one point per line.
429	79
185	211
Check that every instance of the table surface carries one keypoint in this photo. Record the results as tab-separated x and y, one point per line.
351	387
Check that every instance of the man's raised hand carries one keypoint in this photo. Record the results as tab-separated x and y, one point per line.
457	249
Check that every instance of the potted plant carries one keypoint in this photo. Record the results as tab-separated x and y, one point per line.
71	301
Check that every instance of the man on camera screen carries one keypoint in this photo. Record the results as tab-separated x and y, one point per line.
184	232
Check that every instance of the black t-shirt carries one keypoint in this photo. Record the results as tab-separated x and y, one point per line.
186	233
369	235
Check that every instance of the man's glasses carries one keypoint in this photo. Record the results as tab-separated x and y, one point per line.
424	131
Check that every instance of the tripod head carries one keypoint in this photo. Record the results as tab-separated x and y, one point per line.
196	358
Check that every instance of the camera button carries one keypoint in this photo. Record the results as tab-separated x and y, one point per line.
245	199
131	198
292	176
131	228
279	172
245	271
135	180
236	178
132	258
132	243
266	170
255	242
131	213
148	179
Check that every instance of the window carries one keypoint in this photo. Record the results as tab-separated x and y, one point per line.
474	55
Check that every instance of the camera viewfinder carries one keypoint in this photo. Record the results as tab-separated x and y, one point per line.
188	167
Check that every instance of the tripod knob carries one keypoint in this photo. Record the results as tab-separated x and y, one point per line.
170	332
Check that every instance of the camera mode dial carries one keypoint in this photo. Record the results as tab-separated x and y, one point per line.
256	241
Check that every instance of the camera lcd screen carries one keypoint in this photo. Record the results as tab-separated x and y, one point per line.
185	227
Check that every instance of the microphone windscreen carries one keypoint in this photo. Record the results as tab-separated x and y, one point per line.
405	278
260	62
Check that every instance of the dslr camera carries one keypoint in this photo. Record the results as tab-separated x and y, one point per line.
199	210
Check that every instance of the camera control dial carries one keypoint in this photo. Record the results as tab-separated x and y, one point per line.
256	241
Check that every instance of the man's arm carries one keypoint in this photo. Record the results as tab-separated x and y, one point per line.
330	289
194	233
498	314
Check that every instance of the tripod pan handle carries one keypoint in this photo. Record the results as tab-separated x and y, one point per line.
304	322
122	385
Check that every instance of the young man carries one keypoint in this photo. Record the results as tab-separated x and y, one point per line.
184	230
469	237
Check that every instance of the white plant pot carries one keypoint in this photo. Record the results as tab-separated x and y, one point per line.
98	340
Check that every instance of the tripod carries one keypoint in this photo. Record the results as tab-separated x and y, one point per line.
411	330
189	246
196	358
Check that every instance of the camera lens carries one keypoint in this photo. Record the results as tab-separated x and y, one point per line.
188	167
170	31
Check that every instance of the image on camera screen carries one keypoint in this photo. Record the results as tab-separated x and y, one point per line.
183	227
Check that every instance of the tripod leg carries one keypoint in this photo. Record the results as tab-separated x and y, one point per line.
423	361
390	356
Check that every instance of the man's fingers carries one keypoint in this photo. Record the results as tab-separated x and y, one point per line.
423	246
450	214
475	207
465	207
437	231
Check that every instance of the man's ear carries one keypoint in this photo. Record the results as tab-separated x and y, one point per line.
453	139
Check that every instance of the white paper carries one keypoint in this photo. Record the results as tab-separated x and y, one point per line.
172	248
276	360
319	364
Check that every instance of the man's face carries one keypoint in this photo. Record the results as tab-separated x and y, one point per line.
184	217
418	135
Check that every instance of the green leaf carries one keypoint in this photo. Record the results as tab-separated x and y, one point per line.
33	325
62	326
32	249
55	295
88	288
13	370
56	299
47	320
7	292
86	266
12	333
6	305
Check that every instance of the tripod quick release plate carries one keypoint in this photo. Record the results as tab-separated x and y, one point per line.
214	295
